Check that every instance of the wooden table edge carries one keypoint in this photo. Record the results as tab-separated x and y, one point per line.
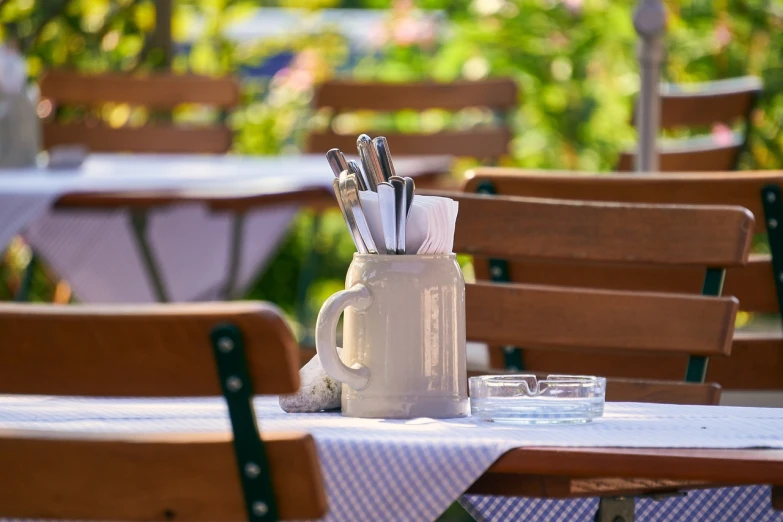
217	202
550	472
734	466
317	197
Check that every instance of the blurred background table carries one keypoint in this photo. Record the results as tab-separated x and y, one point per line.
141	228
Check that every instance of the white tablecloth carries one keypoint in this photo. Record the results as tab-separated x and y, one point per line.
412	470
96	251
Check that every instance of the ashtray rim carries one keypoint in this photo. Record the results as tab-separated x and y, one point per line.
532	384
526	399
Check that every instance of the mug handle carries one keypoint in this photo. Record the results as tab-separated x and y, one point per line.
358	297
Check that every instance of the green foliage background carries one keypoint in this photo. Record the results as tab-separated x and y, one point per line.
573	59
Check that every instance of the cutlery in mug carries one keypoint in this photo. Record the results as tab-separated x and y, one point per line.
399	212
349	220
387	208
370	161
361	178
349	189
384	156
410	187
336	161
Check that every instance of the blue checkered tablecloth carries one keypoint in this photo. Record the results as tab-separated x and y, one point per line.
412	470
742	504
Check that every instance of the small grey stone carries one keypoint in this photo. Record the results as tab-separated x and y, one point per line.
318	391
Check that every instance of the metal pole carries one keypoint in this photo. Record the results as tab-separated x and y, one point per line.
649	20
161	37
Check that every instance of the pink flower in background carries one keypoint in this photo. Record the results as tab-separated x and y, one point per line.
403	5
573	5
300	75
722	35
406	26
412	30
405	31
379	36
722	134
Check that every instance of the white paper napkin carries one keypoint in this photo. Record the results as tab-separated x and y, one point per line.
430	225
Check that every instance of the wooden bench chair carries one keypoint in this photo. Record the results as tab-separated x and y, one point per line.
231	349
86	95
756	361
702	105
157	92
560	323
486	143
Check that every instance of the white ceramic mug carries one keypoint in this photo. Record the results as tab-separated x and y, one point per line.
403	337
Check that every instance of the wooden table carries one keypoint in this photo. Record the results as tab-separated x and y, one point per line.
235	188
433	451
614	472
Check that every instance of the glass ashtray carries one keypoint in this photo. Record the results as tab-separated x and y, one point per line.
558	399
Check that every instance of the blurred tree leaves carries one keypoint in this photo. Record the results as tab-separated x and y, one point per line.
574	61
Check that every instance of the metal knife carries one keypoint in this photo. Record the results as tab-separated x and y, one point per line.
370	162
387	207
382	149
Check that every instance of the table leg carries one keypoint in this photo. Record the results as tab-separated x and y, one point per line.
234	255
455	513
139	226
306	277
23	293
615	509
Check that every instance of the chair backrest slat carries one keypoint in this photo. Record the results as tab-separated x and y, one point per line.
158	91
478	143
578	319
750	284
649	390
165	139
662	392
150	477
755	363
722	101
688	159
487	142
700	105
156	350
741	189
525	228
387	97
